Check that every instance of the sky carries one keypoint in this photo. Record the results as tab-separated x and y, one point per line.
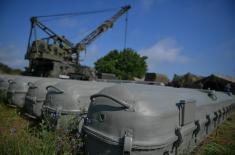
196	36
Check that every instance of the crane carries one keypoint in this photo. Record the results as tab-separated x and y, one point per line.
100	29
53	55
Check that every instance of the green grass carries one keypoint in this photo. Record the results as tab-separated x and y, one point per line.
19	136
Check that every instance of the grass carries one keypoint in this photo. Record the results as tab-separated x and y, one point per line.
19	136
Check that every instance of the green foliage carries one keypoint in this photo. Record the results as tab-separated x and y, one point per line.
7	70
126	64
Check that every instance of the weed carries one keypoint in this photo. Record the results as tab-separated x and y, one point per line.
22	137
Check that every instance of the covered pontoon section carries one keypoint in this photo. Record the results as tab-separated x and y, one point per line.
4	84
17	90
152	120
67	102
36	96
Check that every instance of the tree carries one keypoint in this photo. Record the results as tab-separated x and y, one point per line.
125	64
8	70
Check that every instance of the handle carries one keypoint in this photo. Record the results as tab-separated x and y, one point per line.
57	89
124	104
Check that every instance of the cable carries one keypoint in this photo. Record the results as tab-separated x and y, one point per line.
125	33
76	13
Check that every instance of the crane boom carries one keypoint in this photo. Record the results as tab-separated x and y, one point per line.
100	29
51	34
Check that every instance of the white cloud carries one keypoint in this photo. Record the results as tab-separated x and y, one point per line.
164	51
11	56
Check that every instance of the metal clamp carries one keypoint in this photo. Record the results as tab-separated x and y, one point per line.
196	131
127	146
227	111
215	118
178	142
220	115
87	121
224	112
180	104
207	123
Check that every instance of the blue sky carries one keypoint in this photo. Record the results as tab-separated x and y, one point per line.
181	36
